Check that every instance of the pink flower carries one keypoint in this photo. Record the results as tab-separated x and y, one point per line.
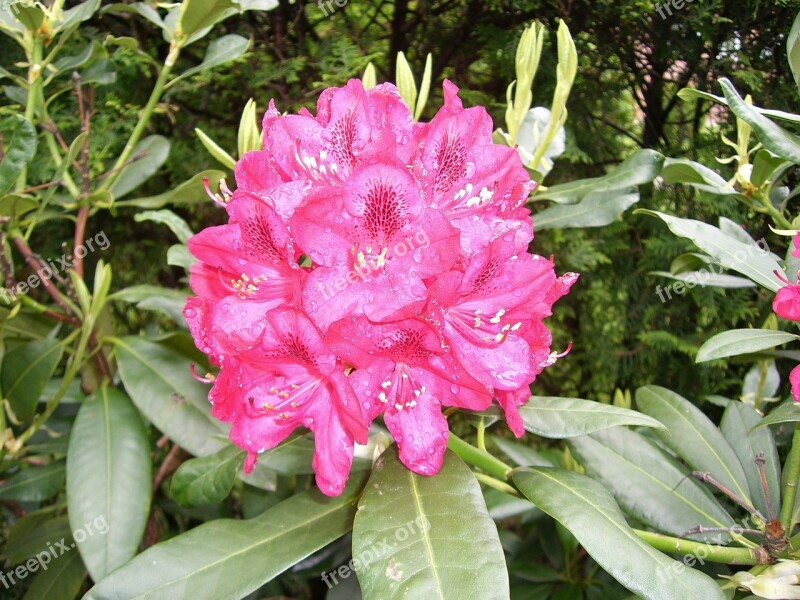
371	266
403	371
787	302
794	379
796	242
291	379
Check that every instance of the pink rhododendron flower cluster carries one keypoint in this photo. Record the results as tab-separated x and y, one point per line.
371	265
787	306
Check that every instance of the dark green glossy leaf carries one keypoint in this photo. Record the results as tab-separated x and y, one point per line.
426	537
738	425
693	437
595	210
648	484
108	481
231	559
161	385
206	480
742	341
19	148
587	509
34	484
25	372
146	158
570	417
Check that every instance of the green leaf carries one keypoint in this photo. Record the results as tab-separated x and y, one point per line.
33	533
738	425
693	437
220	51
587	509
61	581
77	14
108	481
793	50
34	484
161	385
788	412
142	8
521	454
13	205
775	139
207	480
146	158
19	148
188	192
648	484
704	278
742	341
150	297
199	14
178	255
640	168
231	559
598	209
731	253
30	15
560	418
25	372
688	94
424	87
426	537
177	225
765	164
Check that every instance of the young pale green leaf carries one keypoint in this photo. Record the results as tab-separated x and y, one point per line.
775	139
560	418
728	251
648	484
586	509
688	94
34	484
767	166
220	51
369	79
188	192
176	224
19	146
231	559
405	81
693	437
598	209
742	341
141	8
146	158
738	425
424	88
167	301
178	255
161	385
215	150
426	537
703	278
788	412
25	372
206	480
249	135
638	169
61	581
108	481
196	15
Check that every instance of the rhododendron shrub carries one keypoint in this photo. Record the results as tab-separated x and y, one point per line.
787	306
371	265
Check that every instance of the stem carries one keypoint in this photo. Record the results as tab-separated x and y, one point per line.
792	469
775	213
497	484
80	234
717	554
481	441
479	458
27	254
144	118
34	91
